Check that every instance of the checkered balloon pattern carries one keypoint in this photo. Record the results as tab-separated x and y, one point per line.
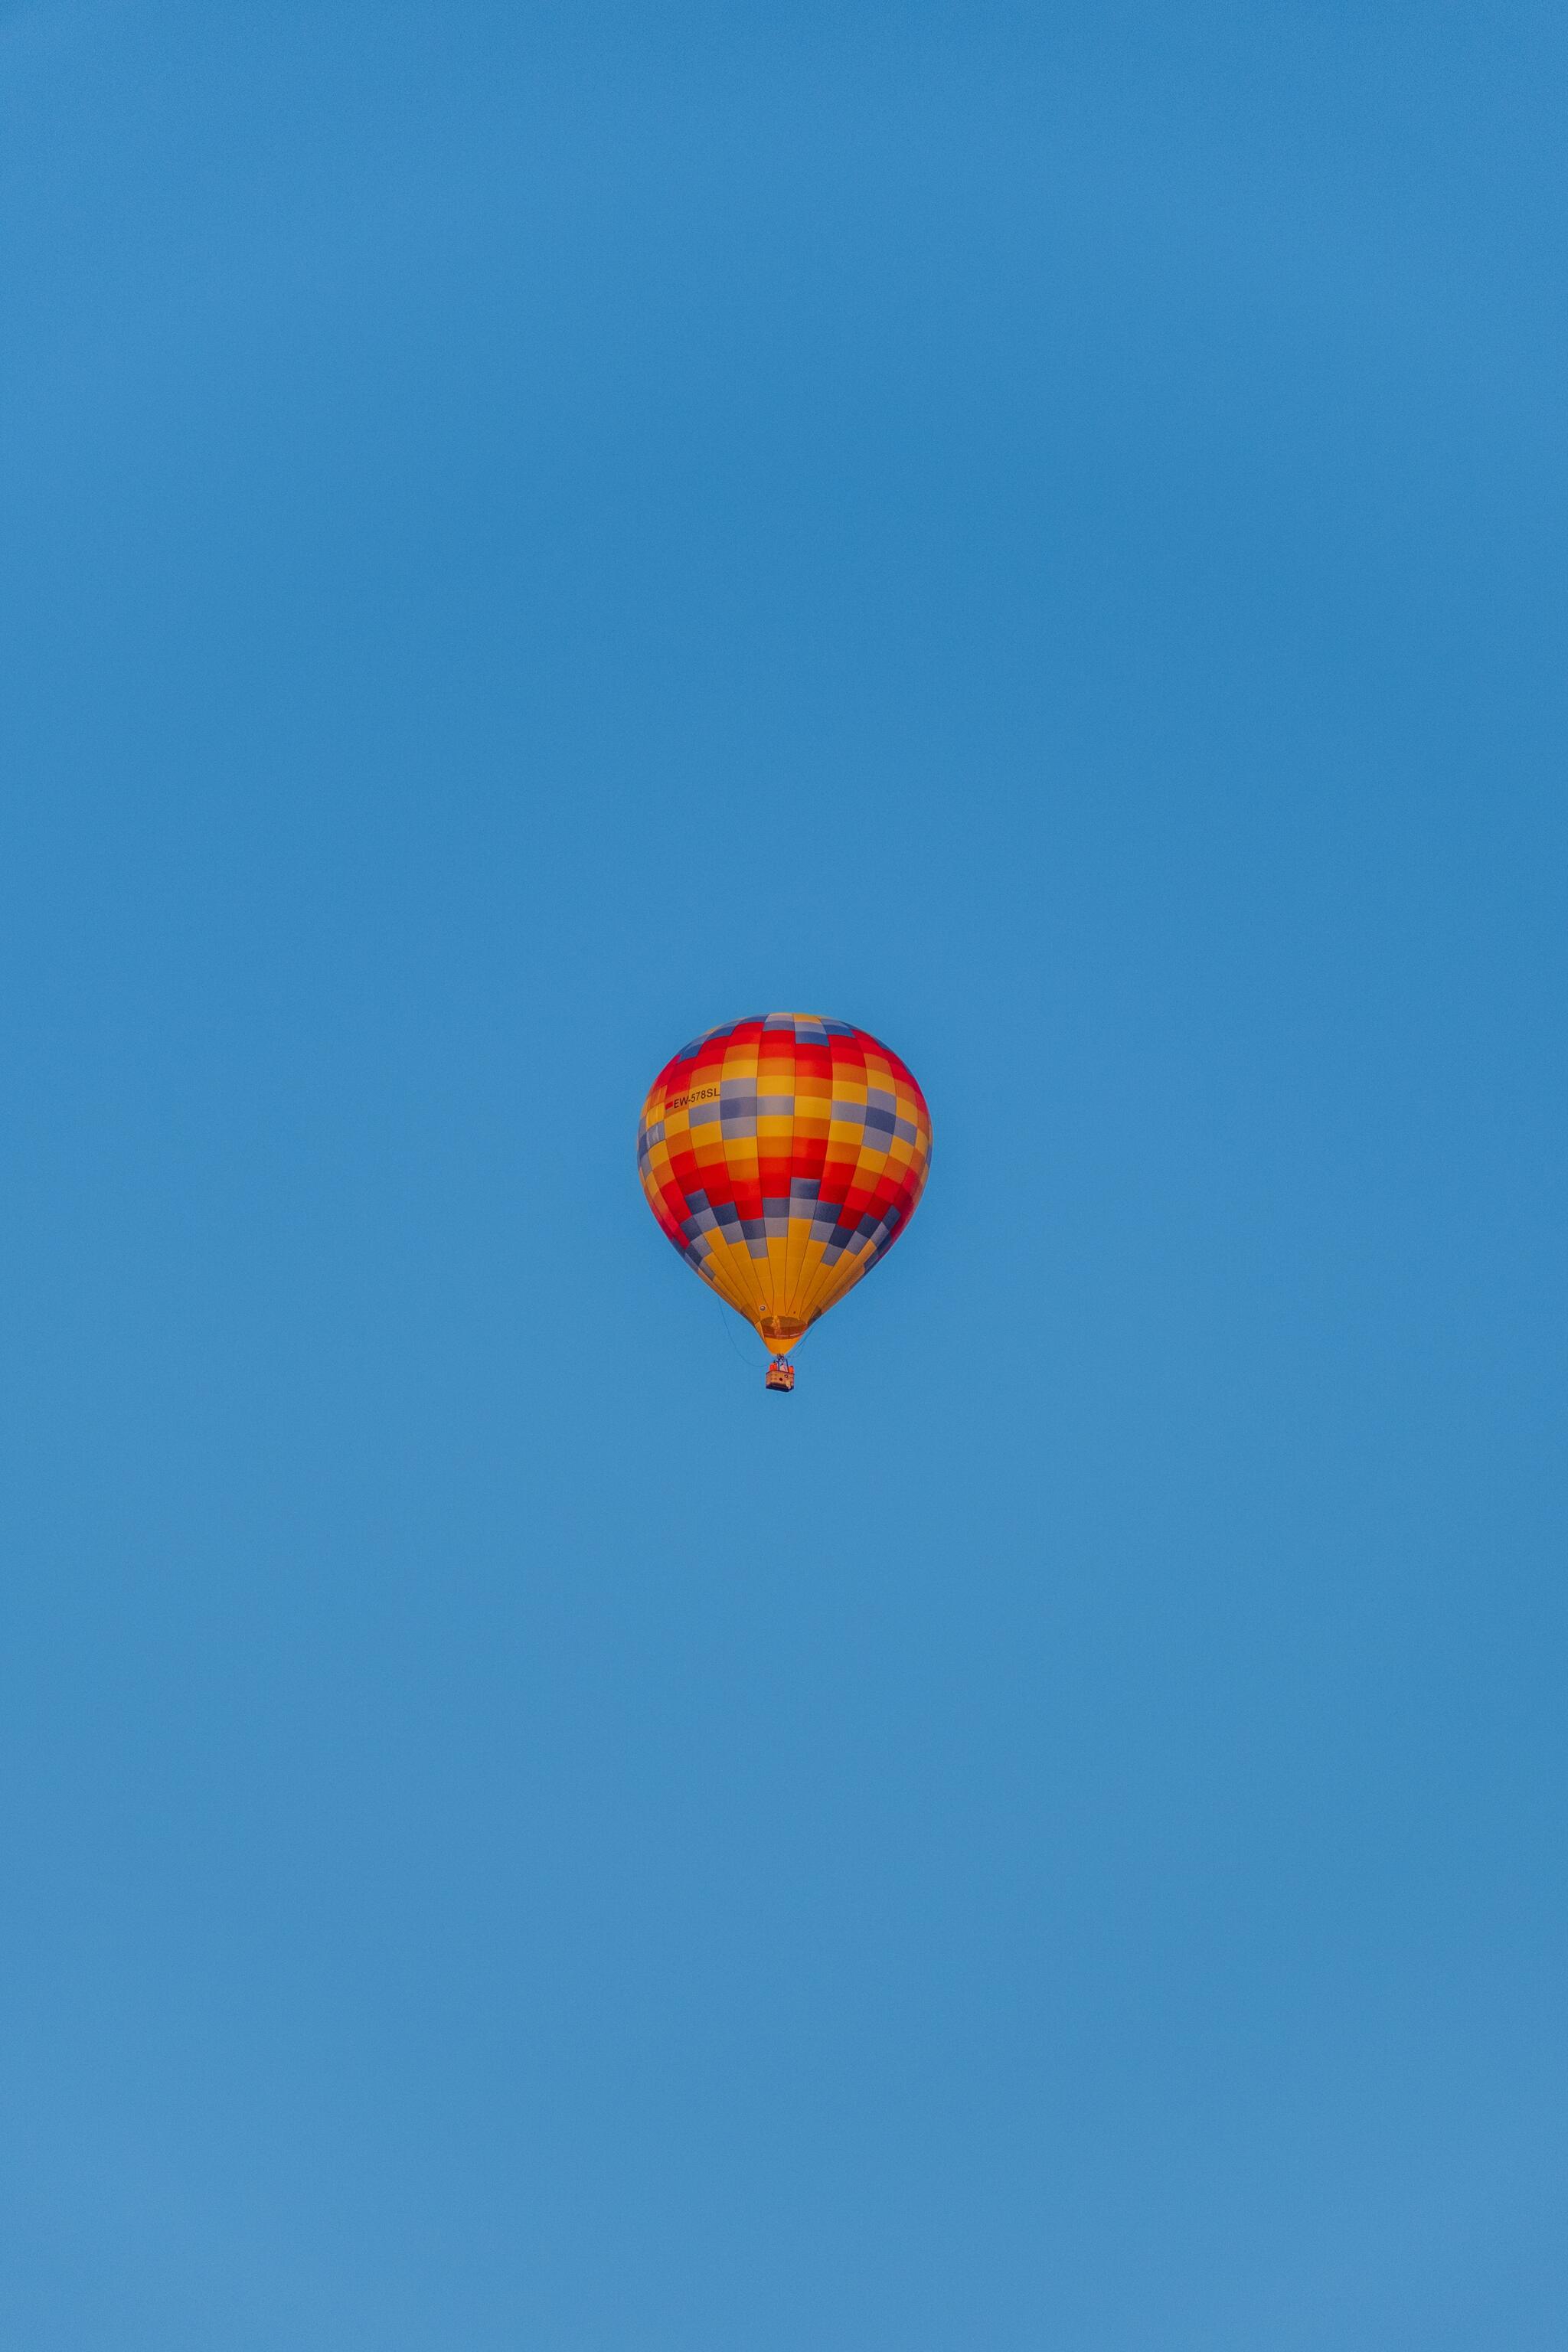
783	1155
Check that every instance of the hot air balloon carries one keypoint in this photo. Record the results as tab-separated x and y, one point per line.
783	1155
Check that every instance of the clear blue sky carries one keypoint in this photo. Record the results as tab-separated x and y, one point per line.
530	531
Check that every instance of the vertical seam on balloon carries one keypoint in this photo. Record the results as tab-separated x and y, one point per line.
792	1255
753	1278
761	1185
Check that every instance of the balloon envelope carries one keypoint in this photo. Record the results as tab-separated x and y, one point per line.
783	1155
